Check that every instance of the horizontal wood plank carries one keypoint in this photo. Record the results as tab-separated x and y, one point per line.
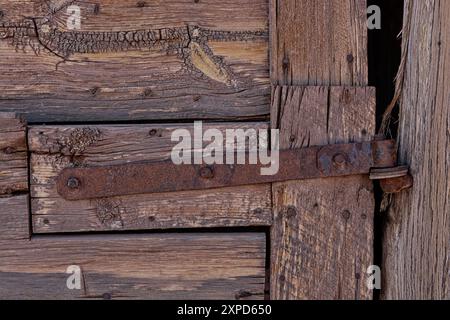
133	60
57	147
13	155
167	266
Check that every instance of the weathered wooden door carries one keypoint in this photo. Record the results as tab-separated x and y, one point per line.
107	82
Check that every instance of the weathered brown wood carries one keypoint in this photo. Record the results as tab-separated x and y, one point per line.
416	246
13	155
167	266
14	218
14	213
132	60
57	147
318	42
322	237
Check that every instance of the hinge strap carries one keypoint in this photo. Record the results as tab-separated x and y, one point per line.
299	164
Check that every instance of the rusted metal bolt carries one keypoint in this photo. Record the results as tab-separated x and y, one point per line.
339	159
73	183
207	173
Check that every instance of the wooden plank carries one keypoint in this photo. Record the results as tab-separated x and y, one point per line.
134	60
318	42
57	147
13	155
165	266
416	246
322	237
14	218
14	213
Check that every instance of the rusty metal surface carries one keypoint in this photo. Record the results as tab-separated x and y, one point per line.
397	185
308	163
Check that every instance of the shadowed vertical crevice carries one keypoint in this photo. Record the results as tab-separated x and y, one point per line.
384	61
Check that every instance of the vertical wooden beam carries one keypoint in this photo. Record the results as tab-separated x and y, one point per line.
417	231
319	42
322	238
14	215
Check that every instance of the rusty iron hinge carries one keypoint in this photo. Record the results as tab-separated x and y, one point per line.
377	158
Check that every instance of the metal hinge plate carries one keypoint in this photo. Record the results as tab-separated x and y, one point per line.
307	163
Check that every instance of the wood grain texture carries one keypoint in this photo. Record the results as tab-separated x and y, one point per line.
417	230
14	218
14	213
134	60
167	266
13	155
318	42
322	235
57	147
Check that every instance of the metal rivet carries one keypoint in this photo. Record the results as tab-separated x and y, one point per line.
153	132
207	173
141	4
151	218
46	222
364	216
73	183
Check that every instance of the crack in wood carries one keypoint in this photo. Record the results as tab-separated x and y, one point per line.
189	44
